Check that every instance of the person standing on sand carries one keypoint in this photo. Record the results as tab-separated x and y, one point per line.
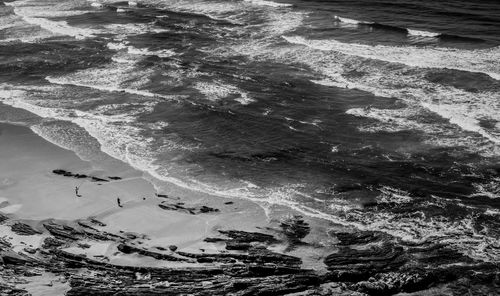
77	188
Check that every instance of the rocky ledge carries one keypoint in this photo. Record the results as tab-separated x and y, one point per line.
364	263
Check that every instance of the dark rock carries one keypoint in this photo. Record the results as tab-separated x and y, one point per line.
173	207
205	209
3	218
359	237
206	259
24	229
295	228
96	179
114	178
357	265
242	240
91	232
10	290
437	254
243	236
50	242
367	263
30	250
189	210
65	173
260	256
11	258
214	240
97	222
60	172
236	245
127	249
63	232
229	203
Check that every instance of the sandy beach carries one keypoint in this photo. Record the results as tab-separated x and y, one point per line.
31	192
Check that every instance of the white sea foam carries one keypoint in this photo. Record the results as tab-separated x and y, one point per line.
213	91
60	27
393	195
400	72
64	81
122	31
347	20
163	53
414	118
422	33
461	108
464	120
219	9
489	189
117	46
391	120
218	90
46	10
485	61
30	16
25	33
115	77
37	14
96	4
244	99
10	21
268	3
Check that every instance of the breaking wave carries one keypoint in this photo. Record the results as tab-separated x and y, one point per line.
268	3
485	61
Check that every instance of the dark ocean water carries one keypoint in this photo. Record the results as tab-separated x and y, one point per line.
378	114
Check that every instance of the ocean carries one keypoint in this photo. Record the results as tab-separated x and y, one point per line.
381	115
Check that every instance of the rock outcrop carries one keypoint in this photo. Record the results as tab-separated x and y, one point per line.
365	263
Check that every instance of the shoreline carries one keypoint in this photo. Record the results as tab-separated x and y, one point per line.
54	242
139	195
55	195
132	188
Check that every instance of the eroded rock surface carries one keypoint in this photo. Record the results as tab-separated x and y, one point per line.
364	263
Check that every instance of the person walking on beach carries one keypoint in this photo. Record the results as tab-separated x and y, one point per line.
77	188
119	202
